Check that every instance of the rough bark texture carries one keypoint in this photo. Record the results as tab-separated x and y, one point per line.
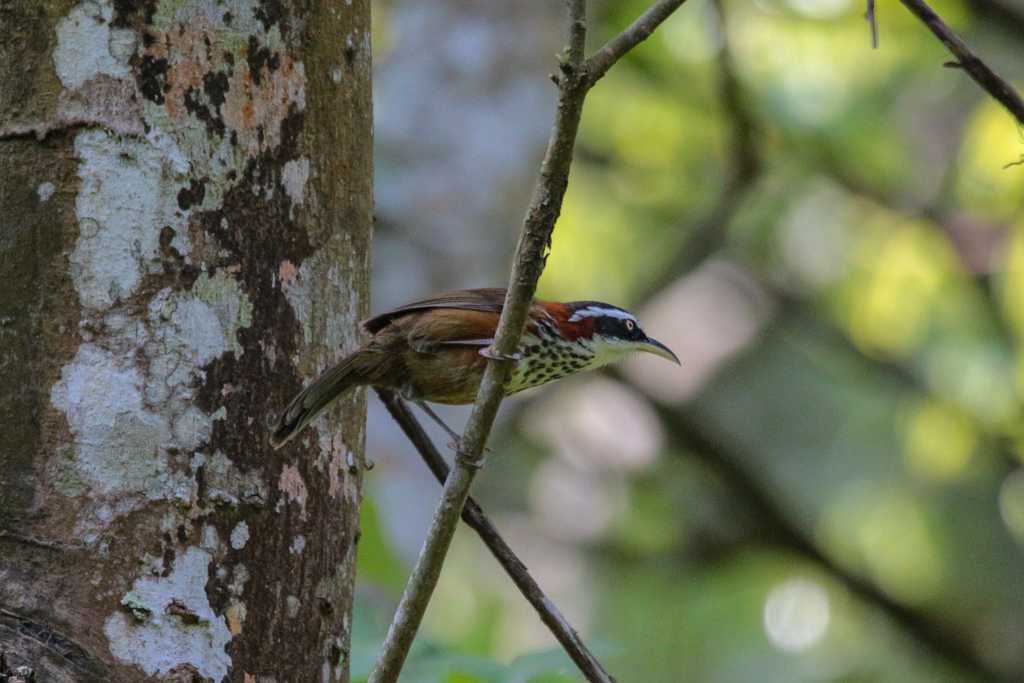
185	215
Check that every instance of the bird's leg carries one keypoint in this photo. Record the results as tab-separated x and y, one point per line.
456	444
408	392
436	418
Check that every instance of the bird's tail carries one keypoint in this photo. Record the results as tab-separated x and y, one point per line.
312	400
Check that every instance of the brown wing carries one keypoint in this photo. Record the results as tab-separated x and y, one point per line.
439	327
488	300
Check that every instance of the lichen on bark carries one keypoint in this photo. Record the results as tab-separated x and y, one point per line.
176	154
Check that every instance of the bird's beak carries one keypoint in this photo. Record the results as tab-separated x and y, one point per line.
658	349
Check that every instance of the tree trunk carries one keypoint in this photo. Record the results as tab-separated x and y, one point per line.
185	216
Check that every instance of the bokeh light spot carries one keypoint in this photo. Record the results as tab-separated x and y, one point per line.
939	442
572	504
1011	503
984	184
820	9
692	36
893	297
796	614
599	424
887	534
977	376
1012	285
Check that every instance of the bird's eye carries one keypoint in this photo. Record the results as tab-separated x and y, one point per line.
630	325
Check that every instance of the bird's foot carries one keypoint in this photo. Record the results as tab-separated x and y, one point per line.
461	455
492	353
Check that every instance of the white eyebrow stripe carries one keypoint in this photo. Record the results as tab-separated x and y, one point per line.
596	311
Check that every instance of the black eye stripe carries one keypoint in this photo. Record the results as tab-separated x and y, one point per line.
610	326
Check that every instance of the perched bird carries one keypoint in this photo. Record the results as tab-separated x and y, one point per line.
436	350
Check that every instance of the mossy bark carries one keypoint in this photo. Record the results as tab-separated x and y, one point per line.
185	223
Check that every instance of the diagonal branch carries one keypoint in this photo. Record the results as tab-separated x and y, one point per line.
967	60
577	47
872	20
577	77
475	518
639	31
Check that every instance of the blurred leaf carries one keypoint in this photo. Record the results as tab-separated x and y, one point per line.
376	561
986	185
545	666
879	407
653	522
940	441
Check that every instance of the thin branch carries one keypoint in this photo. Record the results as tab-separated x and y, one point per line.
545	207
872	20
639	31
577	32
473	515
989	81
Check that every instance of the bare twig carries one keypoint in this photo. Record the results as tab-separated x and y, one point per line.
641	29
872	20
473	515
989	81
577	77
577	47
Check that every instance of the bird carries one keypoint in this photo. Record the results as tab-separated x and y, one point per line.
436	349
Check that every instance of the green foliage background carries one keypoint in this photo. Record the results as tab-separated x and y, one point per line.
877	251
